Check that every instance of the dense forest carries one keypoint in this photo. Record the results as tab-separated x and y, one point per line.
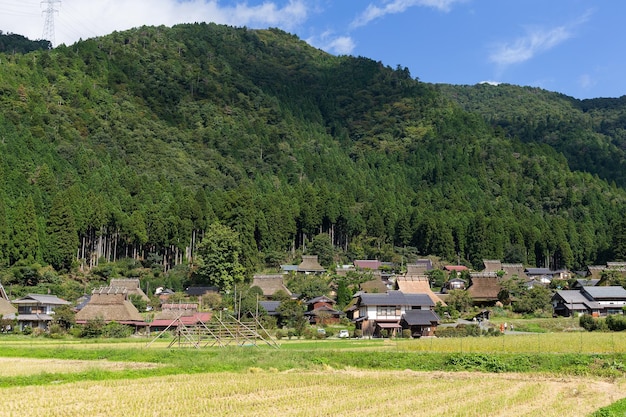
13	43
129	146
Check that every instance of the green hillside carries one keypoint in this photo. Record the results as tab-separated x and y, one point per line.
130	145
590	133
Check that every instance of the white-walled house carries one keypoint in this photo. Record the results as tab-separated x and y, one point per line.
594	300
37	310
385	313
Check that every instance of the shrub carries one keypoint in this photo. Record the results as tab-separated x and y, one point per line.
55	331
93	328
115	330
616	323
462	330
406	333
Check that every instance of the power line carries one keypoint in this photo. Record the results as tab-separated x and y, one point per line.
48	27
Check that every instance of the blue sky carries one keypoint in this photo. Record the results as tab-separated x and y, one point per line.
574	47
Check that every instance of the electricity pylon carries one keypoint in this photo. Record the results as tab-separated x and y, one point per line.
48	26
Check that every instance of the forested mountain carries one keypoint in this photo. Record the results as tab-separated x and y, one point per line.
590	133
14	43
132	144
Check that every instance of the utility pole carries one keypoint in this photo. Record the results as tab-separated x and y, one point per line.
48	26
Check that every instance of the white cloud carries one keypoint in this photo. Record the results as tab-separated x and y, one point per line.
524	48
536	40
339	45
78	19
373	12
586	81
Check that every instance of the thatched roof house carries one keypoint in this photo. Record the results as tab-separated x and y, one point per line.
310	265
270	284
416	282
131	285
179	313
484	288
6	308
111	304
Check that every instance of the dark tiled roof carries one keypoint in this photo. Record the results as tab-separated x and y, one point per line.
420	317
396	298
195	291
321	299
45	299
605	293
270	306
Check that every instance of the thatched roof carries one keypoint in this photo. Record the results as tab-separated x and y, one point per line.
6	307
173	311
3	293
417	284
375	285
132	285
110	304
270	284
492	265
310	264
484	288
511	270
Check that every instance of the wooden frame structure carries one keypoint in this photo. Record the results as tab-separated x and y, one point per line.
219	332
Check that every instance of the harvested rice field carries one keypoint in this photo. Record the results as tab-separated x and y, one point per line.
26	366
314	393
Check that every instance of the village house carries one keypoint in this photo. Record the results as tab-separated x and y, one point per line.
321	310
597	301
385	314
36	310
173	315
310	265
270	284
484	288
132	285
415	281
111	304
7	311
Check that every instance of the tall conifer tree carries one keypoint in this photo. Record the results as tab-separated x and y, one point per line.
62	235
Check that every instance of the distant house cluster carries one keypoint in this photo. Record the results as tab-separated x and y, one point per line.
391	299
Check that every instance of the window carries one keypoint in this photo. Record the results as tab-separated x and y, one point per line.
388	311
24	310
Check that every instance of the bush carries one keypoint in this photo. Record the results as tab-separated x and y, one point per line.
462	330
406	333
115	330
55	331
616	323
588	323
92	329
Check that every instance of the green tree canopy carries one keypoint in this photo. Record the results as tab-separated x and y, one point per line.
218	258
